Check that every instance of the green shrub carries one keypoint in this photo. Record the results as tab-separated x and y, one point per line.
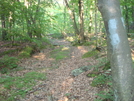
26	52
105	96
8	63
57	35
101	80
20	85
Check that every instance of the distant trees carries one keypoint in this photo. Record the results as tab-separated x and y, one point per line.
118	50
81	13
23	19
127	7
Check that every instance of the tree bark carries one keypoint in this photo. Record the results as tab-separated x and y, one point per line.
127	17
3	24
81	20
73	18
119	50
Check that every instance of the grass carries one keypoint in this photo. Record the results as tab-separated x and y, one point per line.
18	86
90	54
60	53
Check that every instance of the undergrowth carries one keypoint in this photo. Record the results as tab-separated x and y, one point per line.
15	87
102	79
86	43
105	95
26	52
8	63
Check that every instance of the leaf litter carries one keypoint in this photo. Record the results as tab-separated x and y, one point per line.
60	85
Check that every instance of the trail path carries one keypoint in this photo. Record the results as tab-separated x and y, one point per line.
60	85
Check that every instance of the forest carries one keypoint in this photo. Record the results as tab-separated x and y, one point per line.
66	50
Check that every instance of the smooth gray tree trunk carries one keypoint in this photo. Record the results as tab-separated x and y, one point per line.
118	50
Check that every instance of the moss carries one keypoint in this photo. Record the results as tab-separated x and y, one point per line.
60	53
90	54
21	85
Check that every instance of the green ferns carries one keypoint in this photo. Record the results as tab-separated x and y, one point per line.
19	86
26	52
7	63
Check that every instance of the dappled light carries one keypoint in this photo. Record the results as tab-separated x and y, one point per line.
61	50
67	83
40	56
70	38
65	48
64	99
82	49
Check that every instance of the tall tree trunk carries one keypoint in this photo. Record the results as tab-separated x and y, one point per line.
133	16
127	17
73	18
95	23
3	24
81	20
119	50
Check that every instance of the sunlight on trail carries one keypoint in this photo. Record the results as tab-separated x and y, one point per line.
40	56
67	83
65	99
65	48
82	49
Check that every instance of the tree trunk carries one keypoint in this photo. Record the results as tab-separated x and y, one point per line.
3	24
73	18
95	23
119	50
81	20
127	18
133	14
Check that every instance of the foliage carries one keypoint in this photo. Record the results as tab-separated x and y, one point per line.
39	43
92	74
105	95
101	80
26	52
8	52
7	63
19	86
57	36
35	46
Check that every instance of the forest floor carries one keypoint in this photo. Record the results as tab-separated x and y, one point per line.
60	85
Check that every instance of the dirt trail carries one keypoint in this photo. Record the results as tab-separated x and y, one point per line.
60	85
